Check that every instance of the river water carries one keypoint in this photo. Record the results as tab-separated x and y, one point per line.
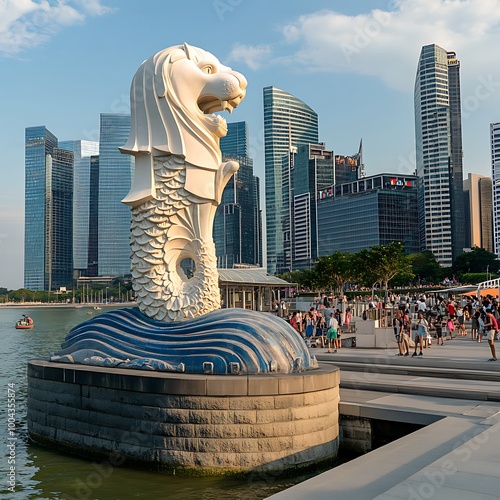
42	473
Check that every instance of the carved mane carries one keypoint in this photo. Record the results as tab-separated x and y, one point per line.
166	119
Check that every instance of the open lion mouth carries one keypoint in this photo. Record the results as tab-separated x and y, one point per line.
212	104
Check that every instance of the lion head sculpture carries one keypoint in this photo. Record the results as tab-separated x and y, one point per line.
173	97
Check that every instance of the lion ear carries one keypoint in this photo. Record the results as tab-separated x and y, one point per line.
161	61
188	51
177	55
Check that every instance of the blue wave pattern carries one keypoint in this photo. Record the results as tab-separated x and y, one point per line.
221	342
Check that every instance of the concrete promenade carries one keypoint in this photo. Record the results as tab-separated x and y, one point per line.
453	390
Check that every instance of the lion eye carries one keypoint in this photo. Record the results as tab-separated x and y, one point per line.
208	69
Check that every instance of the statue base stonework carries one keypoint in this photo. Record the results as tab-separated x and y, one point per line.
186	423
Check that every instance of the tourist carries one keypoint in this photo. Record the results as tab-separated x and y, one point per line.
333	327
462	332
438	326
450	327
474	324
481	330
293	321
422	330
398	325
309	324
491	326
348	317
451	309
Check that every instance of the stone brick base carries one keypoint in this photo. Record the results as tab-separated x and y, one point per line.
185	423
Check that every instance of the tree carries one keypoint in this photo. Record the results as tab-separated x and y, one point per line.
363	273
425	267
388	261
478	260
334	271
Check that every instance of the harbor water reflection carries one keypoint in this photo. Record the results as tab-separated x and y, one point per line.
41	473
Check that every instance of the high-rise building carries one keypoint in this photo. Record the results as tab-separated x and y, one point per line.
48	242
438	134
84	200
495	174
371	211
313	170
115	179
288	122
478	220
235	143
237	223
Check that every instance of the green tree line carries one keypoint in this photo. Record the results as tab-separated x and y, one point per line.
385	265
116	291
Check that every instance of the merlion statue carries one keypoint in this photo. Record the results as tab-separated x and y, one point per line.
179	178
178	325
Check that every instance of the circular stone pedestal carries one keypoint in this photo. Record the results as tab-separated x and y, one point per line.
194	424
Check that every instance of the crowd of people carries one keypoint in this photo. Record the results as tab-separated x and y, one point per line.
322	322
418	318
446	319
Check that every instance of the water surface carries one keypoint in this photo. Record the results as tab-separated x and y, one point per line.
43	473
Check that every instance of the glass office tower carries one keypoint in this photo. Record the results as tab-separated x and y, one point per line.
237	225
313	169
288	122
83	199
495	174
438	134
371	211
115	180
48	243
235	143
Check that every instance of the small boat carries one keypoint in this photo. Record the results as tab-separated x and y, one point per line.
24	325
97	308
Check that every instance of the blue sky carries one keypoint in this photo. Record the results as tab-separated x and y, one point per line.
64	62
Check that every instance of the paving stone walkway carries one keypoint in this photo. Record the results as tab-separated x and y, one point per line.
453	390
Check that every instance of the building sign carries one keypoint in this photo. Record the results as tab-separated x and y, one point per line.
394	181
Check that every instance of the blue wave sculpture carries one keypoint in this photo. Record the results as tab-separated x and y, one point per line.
225	341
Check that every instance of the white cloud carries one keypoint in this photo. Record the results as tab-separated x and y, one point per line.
27	23
386	43
254	57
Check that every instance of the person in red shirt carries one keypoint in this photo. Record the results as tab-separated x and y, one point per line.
451	309
491	325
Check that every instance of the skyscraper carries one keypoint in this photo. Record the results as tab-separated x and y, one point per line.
288	122
371	211
115	180
438	134
495	169
48	243
478	226
313	169
237	224
83	199
235	143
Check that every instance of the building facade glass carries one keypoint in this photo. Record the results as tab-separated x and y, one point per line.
82	153
115	180
288	122
235	143
313	170
237	226
48	245
479	212
495	174
372	211
438	138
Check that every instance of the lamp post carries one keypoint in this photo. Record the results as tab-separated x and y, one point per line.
107	294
